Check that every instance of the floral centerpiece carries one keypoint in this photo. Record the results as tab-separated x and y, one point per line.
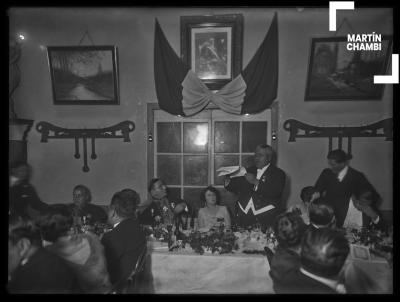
377	241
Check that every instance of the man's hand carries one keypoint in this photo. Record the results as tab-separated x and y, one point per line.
179	208
157	218
227	180
315	196
251	178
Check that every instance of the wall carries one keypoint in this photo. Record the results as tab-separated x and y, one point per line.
120	165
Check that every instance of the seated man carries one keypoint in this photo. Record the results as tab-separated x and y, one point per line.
323	254
321	215
289	229
81	207
162	208
125	242
32	269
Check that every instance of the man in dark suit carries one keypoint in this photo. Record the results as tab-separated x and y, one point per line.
31	268
124	244
323	254
339	182
259	190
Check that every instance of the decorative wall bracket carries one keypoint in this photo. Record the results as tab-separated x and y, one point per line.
120	130
297	129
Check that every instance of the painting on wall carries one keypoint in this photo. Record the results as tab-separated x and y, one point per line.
212	47
84	75
336	73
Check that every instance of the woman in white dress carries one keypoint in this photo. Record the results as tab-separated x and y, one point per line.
212	213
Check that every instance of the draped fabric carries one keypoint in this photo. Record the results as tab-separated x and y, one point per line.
196	95
261	74
169	72
181	92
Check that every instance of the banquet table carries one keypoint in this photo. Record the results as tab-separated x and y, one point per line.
189	273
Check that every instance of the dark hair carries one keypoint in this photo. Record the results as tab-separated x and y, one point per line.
211	189
324	251
321	214
56	223
85	190
306	193
19	228
269	149
339	156
125	203
151	183
289	229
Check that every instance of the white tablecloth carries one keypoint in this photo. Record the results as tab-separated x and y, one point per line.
183	273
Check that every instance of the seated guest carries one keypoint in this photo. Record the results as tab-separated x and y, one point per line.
82	207
23	199
323	254
31	268
160	207
84	253
212	212
289	229
362	214
306	195
124	243
321	215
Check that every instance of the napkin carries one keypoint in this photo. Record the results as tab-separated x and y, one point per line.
236	171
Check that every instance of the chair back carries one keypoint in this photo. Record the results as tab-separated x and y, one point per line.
128	285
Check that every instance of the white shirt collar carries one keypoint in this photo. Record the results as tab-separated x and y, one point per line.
328	282
115	224
343	173
261	171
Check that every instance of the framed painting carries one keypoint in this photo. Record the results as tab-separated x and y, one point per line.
84	75
336	73
212	47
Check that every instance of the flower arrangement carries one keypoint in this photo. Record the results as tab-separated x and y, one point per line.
377	242
216	240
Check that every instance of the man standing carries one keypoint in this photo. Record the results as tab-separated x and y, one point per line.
23	197
338	183
259	190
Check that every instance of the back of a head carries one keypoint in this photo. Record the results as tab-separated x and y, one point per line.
19	228
56	223
324	252
125	203
321	214
289	229
339	156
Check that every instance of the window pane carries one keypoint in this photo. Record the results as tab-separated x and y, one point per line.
253	134
248	161
226	137
169	169
169	137
195	170
221	161
174	193
192	197
195	137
